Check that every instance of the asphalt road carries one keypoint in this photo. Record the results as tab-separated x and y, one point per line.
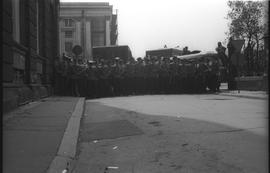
237	112
185	133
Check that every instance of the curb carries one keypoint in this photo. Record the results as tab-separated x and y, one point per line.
244	96
67	150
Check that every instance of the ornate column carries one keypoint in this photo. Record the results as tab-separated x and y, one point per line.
78	33
88	45
61	38
108	31
62	43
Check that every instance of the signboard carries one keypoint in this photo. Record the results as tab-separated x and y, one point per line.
18	61
77	50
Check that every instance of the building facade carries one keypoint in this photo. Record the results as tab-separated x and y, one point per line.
30	36
87	25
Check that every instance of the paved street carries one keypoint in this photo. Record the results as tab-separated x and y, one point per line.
174	133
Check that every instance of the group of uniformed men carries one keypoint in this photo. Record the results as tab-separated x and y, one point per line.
116	77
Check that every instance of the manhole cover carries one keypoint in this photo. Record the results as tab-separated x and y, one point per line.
109	130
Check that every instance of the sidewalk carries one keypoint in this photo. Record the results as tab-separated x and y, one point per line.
32	134
242	93
246	94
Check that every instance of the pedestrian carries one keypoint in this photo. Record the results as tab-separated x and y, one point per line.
221	53
230	48
57	76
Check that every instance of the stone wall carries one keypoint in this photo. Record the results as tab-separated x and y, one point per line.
28	58
253	83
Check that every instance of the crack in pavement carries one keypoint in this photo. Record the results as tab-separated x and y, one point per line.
228	131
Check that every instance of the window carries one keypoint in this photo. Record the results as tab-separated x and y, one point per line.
98	39
98	25
68	46
16	20
68	34
18	67
68	22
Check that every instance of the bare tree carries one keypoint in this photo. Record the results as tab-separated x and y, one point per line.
247	22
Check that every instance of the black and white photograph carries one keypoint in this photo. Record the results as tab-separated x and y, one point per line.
135	86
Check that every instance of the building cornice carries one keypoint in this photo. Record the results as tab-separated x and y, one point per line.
84	4
79	18
68	29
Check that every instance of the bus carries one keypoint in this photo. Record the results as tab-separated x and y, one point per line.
208	58
110	52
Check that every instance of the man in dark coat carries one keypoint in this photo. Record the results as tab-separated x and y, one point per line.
221	52
230	48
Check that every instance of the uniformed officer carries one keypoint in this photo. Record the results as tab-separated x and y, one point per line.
216	75
180	69
101	79
116	76
82	82
132	72
91	80
162	75
66	78
174	75
138	73
74	70
147	77
121	76
203	71
154	73
57	76
221	53
128	77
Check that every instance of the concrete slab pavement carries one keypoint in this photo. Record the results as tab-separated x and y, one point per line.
33	133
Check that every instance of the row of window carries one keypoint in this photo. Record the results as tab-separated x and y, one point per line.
96	24
68	46
98	28
69	22
68	34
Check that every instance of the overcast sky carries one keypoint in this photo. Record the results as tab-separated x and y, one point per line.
150	24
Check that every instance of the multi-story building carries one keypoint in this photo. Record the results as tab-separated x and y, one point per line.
29	45
87	25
